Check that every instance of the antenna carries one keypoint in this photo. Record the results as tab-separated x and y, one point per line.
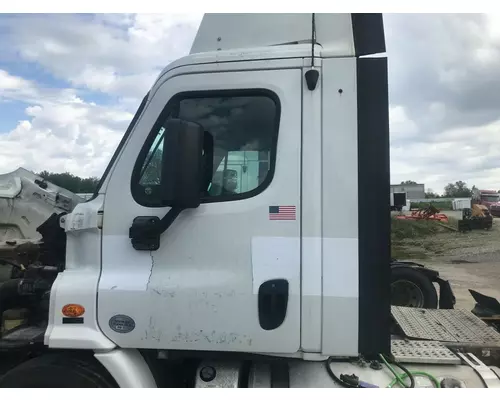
313	37
312	75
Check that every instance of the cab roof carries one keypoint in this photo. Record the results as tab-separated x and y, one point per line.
341	35
251	37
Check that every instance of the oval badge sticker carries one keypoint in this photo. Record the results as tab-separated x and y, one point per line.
122	323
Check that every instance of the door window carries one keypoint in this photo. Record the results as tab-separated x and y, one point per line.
243	128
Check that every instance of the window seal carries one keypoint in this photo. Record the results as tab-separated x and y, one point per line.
152	200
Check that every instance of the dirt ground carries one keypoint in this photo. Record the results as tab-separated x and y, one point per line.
468	260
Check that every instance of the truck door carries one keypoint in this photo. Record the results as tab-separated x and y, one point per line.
227	274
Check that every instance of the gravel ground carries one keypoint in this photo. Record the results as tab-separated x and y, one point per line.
483	277
468	260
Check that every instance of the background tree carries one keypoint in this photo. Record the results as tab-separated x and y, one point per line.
71	182
430	194
457	189
408	182
151	175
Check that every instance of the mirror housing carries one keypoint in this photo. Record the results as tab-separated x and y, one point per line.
182	173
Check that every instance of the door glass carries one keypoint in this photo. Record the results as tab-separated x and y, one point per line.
151	169
244	131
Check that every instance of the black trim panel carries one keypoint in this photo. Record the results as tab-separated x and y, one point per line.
368	33
77	320
374	221
171	108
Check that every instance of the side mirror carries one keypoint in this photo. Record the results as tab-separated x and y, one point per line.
182	167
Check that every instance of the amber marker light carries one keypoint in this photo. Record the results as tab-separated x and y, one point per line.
73	310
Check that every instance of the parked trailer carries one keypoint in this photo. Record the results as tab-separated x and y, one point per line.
398	201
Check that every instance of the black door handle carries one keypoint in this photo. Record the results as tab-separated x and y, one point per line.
273	303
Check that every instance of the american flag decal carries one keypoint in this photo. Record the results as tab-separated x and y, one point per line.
282	213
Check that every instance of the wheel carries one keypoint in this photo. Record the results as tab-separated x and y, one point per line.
58	371
411	288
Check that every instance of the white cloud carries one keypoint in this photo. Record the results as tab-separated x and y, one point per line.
120	54
62	132
470	154
401	126
9	82
113	54
444	82
444	74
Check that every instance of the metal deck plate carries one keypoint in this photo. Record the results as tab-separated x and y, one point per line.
457	326
422	351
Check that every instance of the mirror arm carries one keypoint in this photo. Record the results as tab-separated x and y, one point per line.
145	232
168	220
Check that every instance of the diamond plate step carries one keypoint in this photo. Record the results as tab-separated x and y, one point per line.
422	351
458	326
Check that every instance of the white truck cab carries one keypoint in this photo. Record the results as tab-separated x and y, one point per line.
276	264
232	219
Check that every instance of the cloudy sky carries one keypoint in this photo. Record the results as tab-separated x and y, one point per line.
69	85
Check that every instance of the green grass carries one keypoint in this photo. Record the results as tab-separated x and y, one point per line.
411	229
409	238
403	253
440	205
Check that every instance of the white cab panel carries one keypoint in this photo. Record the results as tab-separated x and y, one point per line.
340	208
197	291
237	31
77	284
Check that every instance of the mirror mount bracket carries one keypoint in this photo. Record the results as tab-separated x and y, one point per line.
145	231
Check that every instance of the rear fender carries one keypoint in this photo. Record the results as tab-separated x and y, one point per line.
447	299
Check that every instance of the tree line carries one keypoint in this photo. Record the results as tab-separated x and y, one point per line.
70	182
457	189
76	184
150	174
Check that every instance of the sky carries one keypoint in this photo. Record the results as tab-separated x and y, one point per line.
70	84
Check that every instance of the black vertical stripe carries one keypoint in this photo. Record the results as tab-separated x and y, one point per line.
368	33
373	206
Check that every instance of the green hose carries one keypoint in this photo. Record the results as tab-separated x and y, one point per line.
415	373
399	378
